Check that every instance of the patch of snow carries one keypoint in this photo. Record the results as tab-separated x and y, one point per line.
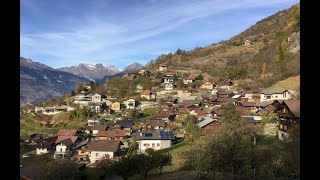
91	66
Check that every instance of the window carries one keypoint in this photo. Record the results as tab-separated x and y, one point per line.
158	144
97	154
153	144
268	97
285	127
281	126
276	96
282	135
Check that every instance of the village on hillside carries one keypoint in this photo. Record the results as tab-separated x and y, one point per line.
119	125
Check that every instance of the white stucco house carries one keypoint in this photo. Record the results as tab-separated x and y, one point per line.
92	121
61	150
139	89
214	91
168	79
97	98
53	110
64	144
130	104
168	86
155	140
43	147
187	81
274	94
101	148
83	99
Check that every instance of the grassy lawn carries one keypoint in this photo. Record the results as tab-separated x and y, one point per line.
26	148
36	159
266	140
176	146
178	160
291	83
31	124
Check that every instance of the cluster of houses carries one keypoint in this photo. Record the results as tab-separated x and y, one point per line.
53	110
90	145
204	104
84	145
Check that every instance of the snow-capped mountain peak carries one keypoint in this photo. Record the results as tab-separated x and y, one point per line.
91	71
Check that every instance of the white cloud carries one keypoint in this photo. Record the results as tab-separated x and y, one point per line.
96	38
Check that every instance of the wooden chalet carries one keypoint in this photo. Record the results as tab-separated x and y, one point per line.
289	116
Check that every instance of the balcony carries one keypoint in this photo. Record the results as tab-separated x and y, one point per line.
285	115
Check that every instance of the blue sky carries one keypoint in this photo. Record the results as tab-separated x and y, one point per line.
62	33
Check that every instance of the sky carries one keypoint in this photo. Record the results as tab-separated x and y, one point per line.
63	33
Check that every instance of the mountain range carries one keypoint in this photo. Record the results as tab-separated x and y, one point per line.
91	71
99	72
39	82
265	53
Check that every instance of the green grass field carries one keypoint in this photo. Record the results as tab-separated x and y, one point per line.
291	83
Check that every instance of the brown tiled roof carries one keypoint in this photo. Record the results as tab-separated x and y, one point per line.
183	110
200	112
51	139
112	133
67	142
273	91
101	145
248	104
168	112
191	102
62	138
155	123
99	127
66	132
44	144
240	109
266	103
226	100
167	104
146	92
216	108
159	115
294	106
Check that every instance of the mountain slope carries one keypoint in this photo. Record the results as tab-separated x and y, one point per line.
39	82
91	71
292	83
132	67
272	53
129	69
